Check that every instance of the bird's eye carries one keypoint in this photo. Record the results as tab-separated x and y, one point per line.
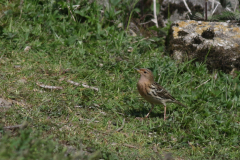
144	72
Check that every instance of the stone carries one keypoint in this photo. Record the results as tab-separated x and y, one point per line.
5	103
215	43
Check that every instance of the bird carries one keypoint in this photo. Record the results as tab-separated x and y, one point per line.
154	92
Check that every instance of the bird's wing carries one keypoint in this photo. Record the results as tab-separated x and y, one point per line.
161	92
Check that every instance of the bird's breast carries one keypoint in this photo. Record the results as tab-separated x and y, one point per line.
149	94
142	89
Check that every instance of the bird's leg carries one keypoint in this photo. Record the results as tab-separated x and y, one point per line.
150	111
165	109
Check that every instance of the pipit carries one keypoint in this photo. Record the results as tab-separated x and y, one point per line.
153	92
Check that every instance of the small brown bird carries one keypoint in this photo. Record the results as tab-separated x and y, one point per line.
153	92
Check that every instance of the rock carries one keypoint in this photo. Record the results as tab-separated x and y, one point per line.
27	48
22	81
17	66
4	103
216	43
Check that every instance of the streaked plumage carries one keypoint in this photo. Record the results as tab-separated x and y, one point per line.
152	91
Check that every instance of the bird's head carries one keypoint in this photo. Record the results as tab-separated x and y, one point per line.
146	74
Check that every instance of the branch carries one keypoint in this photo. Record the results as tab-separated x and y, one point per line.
49	87
215	9
141	40
17	126
235	5
20	6
184	1
213	1
155	13
84	85
70	10
202	83
71	14
145	22
130	146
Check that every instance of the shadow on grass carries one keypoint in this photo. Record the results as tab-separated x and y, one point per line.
143	112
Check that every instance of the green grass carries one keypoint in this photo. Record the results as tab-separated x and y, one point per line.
81	123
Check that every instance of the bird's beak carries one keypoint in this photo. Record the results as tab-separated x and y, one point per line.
138	70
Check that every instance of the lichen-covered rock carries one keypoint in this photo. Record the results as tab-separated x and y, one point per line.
216	43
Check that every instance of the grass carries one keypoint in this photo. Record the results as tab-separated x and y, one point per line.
81	123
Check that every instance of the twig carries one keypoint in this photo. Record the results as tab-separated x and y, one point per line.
229	9
84	85
184	1
215	76
20	6
155	13
71	13
74	83
16	126
141	40
12	127
203	83
119	129
49	87
236	1
145	22
215	9
206	10
213	1
120	113
76	7
130	146
1	106
144	16
68	1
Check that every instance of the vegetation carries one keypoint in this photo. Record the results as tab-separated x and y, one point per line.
83	44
